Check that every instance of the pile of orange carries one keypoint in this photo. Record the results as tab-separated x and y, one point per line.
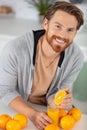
18	122
67	119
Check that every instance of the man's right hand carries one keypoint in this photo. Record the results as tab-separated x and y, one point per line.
40	119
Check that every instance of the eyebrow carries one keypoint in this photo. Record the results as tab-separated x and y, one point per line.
64	27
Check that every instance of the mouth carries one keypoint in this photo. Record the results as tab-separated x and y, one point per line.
60	42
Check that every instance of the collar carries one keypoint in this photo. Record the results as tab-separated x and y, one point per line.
37	35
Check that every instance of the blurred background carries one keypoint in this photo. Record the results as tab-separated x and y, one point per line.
20	16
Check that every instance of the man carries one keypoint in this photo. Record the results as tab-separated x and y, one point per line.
40	63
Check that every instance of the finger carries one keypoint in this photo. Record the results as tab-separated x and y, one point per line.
68	96
45	122
45	118
68	101
67	106
67	89
42	125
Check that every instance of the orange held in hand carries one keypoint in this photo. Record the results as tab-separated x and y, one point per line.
75	113
67	122
13	125
22	119
59	97
4	118
51	127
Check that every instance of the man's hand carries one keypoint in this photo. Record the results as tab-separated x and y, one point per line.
40	120
66	103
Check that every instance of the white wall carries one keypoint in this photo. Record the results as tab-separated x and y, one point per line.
21	8
24	10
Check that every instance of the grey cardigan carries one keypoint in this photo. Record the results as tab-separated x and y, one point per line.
17	64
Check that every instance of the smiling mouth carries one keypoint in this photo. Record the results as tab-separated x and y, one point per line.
60	41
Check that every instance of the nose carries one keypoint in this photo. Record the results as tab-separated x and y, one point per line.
63	34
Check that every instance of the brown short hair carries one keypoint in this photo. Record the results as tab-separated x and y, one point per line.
67	7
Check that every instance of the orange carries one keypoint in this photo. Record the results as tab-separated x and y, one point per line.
62	113
13	125
51	127
22	119
75	113
4	118
53	113
67	122
59	96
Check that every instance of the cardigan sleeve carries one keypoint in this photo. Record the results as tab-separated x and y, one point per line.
72	74
8	75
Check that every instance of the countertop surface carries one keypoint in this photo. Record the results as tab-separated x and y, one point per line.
80	125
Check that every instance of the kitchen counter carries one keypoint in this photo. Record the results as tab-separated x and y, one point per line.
80	125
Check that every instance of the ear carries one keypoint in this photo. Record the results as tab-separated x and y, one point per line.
45	23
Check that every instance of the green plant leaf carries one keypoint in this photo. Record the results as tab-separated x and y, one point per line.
41	5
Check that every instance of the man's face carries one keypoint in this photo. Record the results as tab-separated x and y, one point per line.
60	30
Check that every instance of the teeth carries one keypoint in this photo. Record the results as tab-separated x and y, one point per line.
60	41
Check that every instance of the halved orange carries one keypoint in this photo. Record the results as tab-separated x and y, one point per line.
59	96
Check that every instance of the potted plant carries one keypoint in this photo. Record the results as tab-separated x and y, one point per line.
41	5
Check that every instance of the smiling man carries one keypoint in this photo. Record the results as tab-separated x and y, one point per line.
34	67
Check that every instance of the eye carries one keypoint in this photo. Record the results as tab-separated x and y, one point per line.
58	26
71	30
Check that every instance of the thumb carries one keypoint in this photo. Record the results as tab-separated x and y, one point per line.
67	89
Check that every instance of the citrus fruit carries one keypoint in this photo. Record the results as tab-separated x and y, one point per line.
51	127
75	113
4	118
53	113
62	113
13	125
22	119
67	122
59	96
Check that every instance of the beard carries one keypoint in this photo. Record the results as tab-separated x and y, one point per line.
55	46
